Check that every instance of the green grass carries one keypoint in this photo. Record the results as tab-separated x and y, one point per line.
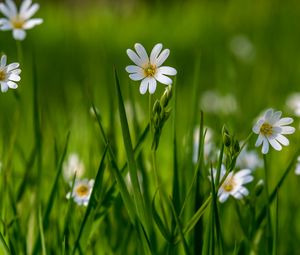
76	60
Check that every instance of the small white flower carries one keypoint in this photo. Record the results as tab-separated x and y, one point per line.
242	48
71	166
9	75
297	170
233	184
249	159
270	129
149	70
18	21
82	191
293	103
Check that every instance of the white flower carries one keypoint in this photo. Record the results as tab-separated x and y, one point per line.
293	103
233	184
249	159
242	48
270	129
149	70
9	75
297	170
82	191
18	21
71	166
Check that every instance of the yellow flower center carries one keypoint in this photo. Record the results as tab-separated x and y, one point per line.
82	191
18	23
229	185
266	129
2	75
150	70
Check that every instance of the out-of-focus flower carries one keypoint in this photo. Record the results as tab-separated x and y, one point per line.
149	70
9	74
208	143
270	129
249	159
233	185
18	21
82	191
297	170
213	102
293	103
71	166
242	48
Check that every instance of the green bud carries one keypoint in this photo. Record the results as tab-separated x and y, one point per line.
226	137
156	107
236	147
166	96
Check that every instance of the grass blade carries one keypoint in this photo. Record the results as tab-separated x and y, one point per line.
41	229
4	246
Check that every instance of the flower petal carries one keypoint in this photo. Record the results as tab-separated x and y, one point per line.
19	34
287	130
259	140
223	197
6	25
282	139
155	51
134	57
144	86
140	50
167	70
24	6
136	76
14	77
162	78
30	12
275	117
12	84
285	121
4	87
12	66
268	114
265	147
276	145
152	85
31	23
5	11
3	61
12	7
134	69
162	57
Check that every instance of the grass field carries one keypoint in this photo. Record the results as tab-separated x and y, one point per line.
234	60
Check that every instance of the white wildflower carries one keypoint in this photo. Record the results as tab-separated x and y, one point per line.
9	74
82	191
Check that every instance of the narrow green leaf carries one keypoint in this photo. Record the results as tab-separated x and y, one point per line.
4	246
41	230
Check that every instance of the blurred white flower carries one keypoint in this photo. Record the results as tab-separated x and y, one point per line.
149	70
233	184
249	159
18	21
208	143
213	102
293	103
81	192
242	48
9	75
297	170
270	129
71	166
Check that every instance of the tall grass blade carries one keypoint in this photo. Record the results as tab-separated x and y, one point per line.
41	230
4	246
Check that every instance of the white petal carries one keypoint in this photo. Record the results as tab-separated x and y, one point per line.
144	86
282	139
4	87
30	12
3	61
24	6
242	173
162	57
136	76
155	51
257	126
140	50
134	69
259	140
223	197
134	57
265	147
6	25
163	79
16	71
247	179
287	130
32	22
268	114
276	145
152	85
5	11
12	66
285	121
19	34
167	70
276	116
14	77
12	84
12	7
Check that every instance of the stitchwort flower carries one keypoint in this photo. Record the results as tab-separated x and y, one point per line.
9	74
233	185
71	166
270	129
149	70
18	21
82	191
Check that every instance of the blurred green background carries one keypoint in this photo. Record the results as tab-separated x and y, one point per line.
246	48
